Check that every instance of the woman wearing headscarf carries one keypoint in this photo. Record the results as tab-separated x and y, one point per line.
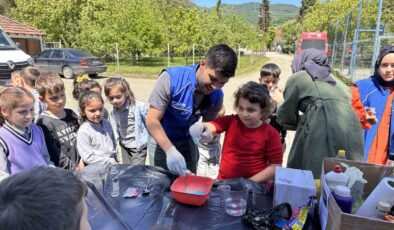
372	100
327	122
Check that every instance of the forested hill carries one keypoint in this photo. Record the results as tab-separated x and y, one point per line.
279	12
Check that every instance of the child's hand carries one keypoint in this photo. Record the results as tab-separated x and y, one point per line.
390	162
370	117
277	95
80	166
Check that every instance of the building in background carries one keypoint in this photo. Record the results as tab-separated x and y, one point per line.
28	39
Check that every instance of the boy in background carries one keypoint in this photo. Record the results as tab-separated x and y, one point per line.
29	76
60	125
270	76
43	198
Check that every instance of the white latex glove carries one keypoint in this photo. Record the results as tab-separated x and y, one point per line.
195	131
199	132
175	161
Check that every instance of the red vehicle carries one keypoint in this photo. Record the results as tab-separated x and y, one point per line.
317	40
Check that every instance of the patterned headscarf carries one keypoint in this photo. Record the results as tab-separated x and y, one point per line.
383	52
314	61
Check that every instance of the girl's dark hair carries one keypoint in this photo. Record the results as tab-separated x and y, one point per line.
110	83
256	93
84	100
11	97
81	85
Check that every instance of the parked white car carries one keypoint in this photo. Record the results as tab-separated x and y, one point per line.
11	57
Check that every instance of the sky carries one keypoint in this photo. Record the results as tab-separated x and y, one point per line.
210	3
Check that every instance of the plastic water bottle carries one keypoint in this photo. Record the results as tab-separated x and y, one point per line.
341	154
336	177
343	198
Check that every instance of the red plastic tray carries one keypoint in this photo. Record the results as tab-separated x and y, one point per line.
192	190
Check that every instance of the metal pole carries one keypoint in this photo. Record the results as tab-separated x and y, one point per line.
193	54
168	54
355	41
117	56
344	43
239	55
334	47
377	37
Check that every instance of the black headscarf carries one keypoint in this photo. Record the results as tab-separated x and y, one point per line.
383	52
314	61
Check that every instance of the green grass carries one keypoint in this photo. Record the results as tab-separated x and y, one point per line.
151	67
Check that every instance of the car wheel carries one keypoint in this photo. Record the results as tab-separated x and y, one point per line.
68	72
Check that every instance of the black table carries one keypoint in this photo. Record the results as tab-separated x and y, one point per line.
159	210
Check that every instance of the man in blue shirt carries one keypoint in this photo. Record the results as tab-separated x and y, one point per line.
182	95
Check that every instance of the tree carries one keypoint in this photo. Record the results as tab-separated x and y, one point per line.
264	19
5	7
305	4
59	19
218	5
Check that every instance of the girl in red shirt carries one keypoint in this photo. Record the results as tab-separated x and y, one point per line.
251	148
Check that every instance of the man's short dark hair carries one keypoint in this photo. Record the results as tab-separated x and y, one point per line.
223	59
41	198
270	69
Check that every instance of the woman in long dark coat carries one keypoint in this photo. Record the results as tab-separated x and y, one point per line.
328	122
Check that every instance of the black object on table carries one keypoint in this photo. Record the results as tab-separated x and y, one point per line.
156	209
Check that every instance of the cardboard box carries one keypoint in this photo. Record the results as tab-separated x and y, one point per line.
293	186
332	217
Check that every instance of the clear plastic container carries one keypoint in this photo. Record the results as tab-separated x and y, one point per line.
336	177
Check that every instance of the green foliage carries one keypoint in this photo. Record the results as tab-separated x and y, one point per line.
290	32
138	27
269	37
5	6
264	19
305	4
278	12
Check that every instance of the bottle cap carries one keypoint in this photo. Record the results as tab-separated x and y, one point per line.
341	152
383	206
337	169
342	190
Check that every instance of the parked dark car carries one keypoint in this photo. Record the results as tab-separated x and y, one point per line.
70	62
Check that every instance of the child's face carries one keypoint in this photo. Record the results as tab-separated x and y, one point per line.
249	113
22	115
270	81
386	67
55	101
93	110
117	97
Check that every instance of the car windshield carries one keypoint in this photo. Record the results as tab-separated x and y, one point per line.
5	42
77	53
313	43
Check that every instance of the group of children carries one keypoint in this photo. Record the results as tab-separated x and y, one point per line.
37	129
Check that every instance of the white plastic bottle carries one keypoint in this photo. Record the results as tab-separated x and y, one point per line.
336	177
